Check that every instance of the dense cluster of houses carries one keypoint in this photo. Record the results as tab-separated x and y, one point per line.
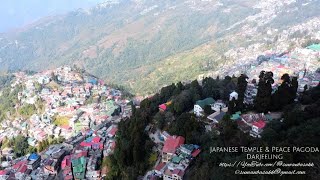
175	159
87	112
252	123
79	157
217	106
299	62
248	123
85	108
250	93
67	101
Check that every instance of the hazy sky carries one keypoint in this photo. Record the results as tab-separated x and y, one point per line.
16	13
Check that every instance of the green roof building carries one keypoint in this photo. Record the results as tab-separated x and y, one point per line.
314	47
176	159
269	117
79	168
204	102
199	106
235	117
187	148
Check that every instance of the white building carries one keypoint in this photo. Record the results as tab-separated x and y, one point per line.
198	108
176	174
233	95
257	128
219	105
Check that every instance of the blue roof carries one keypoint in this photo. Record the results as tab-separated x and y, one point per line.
196	146
93	81
89	133
220	116
89	139
33	156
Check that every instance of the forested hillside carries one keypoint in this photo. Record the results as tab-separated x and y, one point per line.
298	126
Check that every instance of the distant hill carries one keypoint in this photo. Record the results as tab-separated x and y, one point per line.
16	13
146	44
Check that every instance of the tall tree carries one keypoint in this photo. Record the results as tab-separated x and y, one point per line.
286	92
241	89
232	106
263	99
210	88
20	145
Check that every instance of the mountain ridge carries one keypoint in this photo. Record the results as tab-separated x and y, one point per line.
132	43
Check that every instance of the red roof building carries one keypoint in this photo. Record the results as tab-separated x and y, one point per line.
162	107
19	164
172	143
178	172
80	154
195	153
85	144
112	131
96	139
23	169
66	162
3	172
260	124
170	146
257	128
160	166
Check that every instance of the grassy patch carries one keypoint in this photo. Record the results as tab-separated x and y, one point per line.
61	121
27	110
152	159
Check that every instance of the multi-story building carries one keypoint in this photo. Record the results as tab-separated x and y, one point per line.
170	147
34	161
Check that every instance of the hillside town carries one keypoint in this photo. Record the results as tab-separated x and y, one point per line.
160	90
82	113
79	115
72	106
174	156
300	62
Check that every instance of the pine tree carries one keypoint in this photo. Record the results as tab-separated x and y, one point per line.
232	106
263	99
286	93
241	86
295	85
